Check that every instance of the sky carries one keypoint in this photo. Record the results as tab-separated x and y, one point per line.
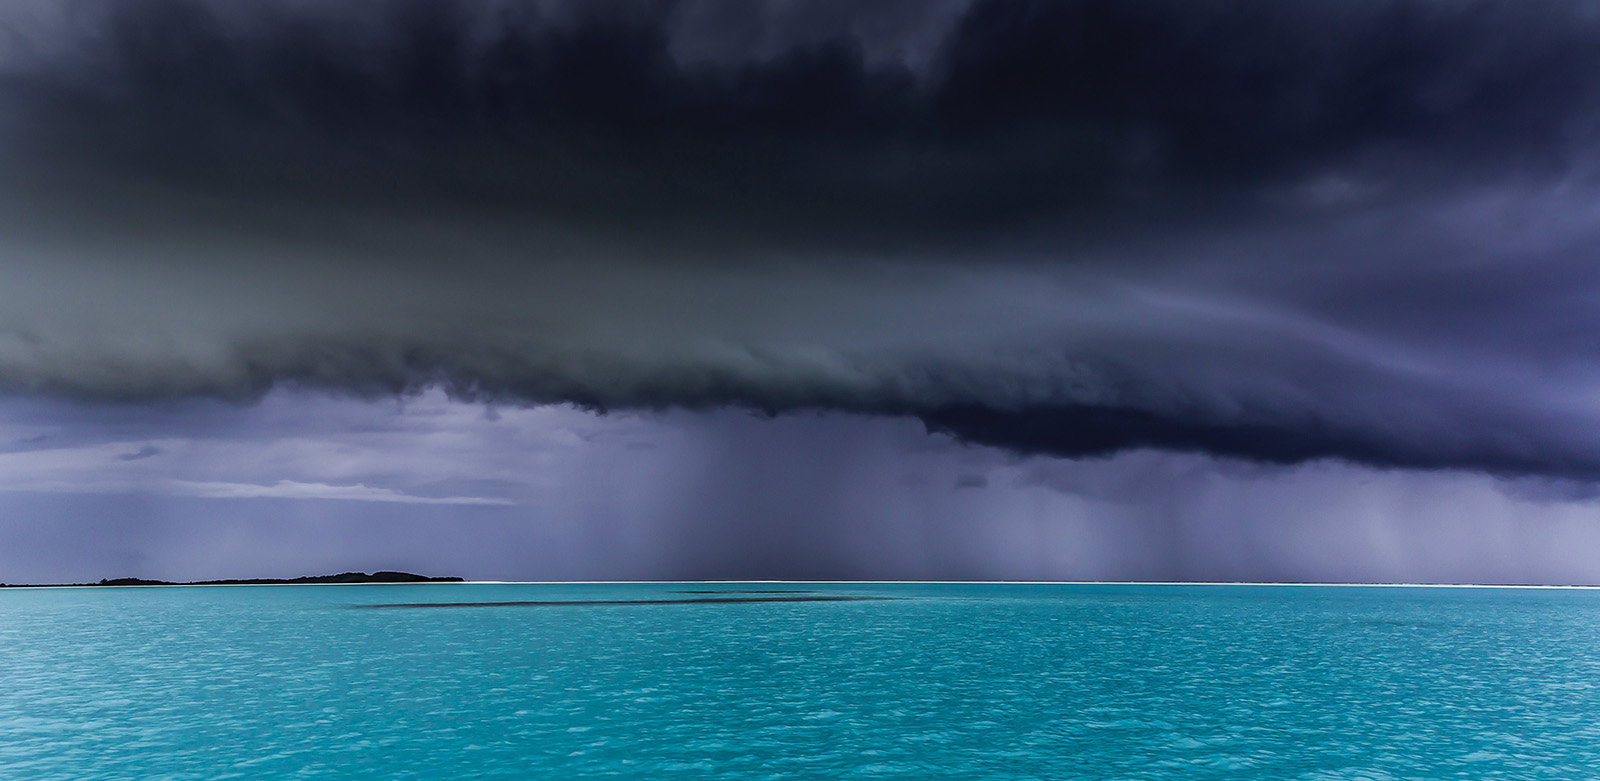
967	289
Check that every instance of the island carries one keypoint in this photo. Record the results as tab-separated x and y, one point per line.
382	576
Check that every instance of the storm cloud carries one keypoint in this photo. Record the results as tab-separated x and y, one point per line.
1277	232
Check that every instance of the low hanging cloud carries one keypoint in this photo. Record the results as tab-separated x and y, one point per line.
1275	232
223	468
148	451
290	489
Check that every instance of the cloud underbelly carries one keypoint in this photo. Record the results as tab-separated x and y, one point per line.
1071	229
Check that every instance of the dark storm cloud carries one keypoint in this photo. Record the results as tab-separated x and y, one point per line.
604	115
1273	231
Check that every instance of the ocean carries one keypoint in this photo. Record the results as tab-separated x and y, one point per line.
853	680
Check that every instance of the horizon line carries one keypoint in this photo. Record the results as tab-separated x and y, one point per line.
464	582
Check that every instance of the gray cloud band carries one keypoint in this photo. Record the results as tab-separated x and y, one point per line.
1281	233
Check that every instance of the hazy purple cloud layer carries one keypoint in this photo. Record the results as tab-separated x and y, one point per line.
305	484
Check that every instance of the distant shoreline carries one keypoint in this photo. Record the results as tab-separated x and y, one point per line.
1264	583
341	579
399	578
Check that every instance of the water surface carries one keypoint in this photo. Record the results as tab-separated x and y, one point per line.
763	681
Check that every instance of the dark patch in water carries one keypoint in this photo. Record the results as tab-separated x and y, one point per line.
574	602
747	591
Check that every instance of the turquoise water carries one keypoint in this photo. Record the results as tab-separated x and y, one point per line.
954	681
